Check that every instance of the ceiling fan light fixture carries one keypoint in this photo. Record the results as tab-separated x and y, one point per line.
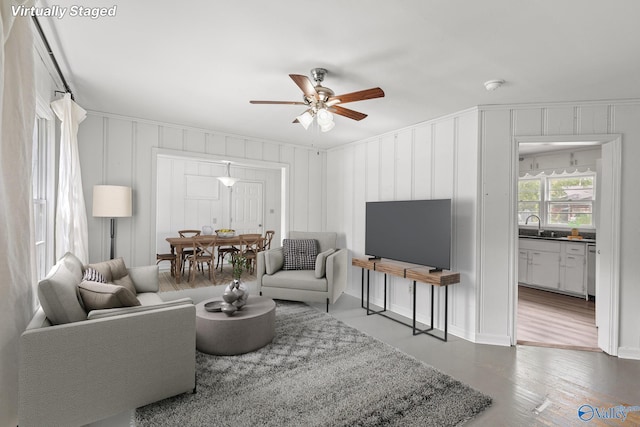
305	119
327	127
324	117
319	99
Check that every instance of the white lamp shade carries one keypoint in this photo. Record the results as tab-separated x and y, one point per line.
324	117
305	119
327	127
227	180
111	201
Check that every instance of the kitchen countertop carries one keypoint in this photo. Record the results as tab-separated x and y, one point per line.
561	239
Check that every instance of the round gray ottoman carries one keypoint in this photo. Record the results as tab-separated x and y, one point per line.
247	330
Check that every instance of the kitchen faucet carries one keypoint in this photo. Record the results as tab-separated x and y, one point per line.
526	221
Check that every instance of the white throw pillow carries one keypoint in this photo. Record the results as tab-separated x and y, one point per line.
321	262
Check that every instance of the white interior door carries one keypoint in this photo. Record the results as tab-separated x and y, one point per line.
247	213
606	250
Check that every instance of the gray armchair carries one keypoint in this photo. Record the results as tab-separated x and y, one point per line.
324	283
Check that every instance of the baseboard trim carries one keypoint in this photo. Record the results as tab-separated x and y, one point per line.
501	340
629	353
462	333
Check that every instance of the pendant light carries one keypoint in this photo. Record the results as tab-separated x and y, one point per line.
228	180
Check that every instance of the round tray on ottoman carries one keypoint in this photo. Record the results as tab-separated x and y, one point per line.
246	330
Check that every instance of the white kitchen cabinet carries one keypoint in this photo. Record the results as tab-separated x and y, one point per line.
561	159
527	164
554	265
523	266
574	268
544	269
542	263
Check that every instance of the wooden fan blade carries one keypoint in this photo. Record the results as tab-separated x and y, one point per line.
278	102
360	95
305	84
355	115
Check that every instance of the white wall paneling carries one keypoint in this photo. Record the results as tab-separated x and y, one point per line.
560	120
499	128
121	150
423	161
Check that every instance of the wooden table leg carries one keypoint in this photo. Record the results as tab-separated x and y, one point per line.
178	264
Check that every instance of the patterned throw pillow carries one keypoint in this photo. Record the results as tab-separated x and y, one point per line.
300	254
93	275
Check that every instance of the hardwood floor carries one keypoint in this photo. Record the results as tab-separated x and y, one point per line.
554	320
201	280
530	386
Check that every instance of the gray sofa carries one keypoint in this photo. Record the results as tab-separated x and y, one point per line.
90	366
324	283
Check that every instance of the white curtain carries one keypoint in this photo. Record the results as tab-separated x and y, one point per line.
72	234
17	267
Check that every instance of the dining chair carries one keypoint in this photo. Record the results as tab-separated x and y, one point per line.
167	257
223	251
268	236
250	245
187	252
203	253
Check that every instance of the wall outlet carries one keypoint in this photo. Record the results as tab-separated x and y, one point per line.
214	221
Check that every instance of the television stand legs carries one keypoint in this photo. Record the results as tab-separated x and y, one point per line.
431	328
430	331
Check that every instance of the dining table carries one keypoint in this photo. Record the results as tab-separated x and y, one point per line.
180	243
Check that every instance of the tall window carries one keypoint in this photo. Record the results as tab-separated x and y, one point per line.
565	201
570	201
529	198
42	184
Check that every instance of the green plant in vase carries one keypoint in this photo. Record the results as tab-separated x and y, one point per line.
236	287
240	264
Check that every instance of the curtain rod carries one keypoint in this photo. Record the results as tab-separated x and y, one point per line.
52	56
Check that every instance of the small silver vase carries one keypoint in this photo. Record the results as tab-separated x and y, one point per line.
240	290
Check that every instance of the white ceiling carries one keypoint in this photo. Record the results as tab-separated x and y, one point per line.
199	62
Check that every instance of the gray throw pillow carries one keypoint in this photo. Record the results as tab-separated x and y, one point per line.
273	260
96	296
115	271
321	263
300	254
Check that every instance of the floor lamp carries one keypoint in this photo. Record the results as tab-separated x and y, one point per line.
111	201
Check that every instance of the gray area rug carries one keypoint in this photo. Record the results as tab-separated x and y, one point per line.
317	372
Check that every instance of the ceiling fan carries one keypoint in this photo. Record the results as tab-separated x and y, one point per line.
323	102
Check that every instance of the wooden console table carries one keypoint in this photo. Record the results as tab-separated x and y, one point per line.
412	272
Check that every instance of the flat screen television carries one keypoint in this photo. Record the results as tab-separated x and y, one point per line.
414	231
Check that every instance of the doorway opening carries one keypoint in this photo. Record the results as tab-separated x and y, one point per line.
188	195
567	195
